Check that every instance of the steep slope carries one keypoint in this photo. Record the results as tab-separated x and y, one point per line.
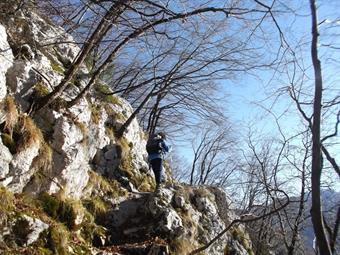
68	184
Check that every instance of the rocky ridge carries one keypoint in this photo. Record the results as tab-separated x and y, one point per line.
68	184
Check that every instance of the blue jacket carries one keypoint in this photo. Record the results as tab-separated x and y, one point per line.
165	149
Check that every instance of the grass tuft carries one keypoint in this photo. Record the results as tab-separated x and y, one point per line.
58	239
65	211
180	246
40	90
57	67
6	200
28	133
12	114
104	92
95	113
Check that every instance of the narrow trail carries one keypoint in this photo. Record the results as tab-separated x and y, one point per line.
131	229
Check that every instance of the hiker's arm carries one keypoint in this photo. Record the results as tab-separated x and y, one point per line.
167	148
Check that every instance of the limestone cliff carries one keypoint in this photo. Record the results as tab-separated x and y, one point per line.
68	184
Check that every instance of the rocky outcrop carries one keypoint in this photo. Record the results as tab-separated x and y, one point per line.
77	136
6	60
92	191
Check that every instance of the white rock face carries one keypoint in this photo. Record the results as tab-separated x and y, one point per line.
171	223
20	167
204	205
5	159
133	135
70	164
6	60
35	228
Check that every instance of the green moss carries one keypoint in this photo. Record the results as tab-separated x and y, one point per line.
126	167
90	229
104	91
89	62
58	239
81	249
40	90
63	211
57	67
41	251
95	206
50	204
111	99
102	88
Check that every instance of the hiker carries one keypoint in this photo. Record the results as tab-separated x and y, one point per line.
157	148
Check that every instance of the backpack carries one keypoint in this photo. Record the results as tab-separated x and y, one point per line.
154	146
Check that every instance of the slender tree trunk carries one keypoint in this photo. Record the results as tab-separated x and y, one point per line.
316	210
127	123
291	248
96	36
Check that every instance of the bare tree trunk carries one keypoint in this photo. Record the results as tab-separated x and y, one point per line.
335	230
96	36
316	210
137	32
127	123
291	248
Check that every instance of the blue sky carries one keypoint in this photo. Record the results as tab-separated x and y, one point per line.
247	95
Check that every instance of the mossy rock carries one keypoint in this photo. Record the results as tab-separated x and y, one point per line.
58	239
96	206
60	210
105	94
89	229
40	90
57	67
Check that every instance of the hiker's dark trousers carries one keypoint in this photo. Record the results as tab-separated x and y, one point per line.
156	165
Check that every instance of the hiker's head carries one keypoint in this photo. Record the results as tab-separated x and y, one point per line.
162	135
